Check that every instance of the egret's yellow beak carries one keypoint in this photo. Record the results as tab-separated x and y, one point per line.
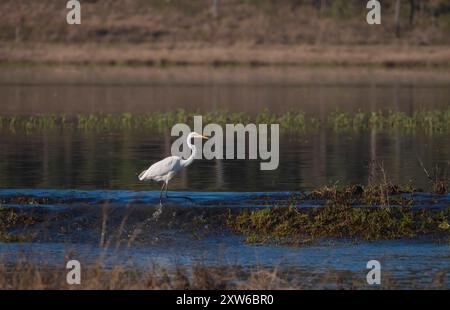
205	137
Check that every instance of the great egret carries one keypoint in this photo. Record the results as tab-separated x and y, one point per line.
164	170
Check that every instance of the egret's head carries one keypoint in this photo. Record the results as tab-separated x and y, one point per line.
197	135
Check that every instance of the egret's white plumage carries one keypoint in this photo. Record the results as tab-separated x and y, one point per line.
164	170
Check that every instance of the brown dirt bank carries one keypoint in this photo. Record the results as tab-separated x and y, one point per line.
237	55
207	75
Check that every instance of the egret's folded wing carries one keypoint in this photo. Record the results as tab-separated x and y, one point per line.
160	168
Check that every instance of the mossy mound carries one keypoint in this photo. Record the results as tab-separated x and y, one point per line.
296	226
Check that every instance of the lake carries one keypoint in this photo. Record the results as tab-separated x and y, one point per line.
103	165
79	159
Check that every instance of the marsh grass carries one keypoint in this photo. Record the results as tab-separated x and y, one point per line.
379	210
432	122
300	226
440	182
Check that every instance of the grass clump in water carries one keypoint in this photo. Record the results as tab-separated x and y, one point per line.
379	210
439	181
296	226
291	121
369	195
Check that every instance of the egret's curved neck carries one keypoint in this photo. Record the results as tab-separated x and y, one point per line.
187	162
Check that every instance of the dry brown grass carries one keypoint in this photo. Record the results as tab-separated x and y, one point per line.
440	182
28	276
177	21
161	32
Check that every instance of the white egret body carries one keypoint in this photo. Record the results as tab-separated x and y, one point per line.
164	170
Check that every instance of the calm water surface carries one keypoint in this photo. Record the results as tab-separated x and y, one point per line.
76	159
113	160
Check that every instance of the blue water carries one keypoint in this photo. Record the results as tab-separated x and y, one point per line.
413	262
61	198
162	241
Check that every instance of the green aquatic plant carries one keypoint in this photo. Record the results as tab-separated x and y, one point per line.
295	122
432	122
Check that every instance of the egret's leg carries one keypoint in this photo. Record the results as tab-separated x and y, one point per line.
167	187
160	194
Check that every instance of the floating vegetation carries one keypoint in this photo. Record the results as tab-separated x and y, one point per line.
437	121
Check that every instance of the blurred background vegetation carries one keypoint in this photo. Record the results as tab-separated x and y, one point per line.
225	22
